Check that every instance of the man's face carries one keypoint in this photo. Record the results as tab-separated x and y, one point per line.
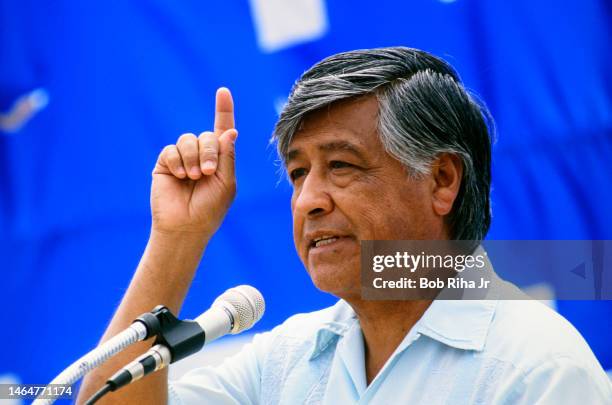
347	188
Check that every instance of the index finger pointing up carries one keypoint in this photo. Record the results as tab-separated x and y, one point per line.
224	111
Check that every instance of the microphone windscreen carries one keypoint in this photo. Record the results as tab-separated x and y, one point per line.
246	304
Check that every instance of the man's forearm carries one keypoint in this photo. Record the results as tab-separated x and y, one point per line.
163	276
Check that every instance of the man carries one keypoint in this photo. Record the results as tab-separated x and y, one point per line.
382	144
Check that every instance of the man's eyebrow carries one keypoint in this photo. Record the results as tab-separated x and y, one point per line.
342	145
291	155
329	147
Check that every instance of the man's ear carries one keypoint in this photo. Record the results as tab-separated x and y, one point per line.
446	173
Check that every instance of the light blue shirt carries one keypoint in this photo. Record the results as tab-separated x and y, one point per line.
459	352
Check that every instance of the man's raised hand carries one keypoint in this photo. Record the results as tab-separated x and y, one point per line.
194	181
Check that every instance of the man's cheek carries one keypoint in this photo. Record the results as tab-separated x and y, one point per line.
366	221
297	231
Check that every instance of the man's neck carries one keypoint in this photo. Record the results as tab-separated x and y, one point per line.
384	325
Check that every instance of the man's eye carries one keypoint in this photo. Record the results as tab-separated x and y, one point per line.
337	164
297	173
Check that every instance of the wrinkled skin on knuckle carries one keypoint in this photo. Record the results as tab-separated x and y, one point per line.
209	152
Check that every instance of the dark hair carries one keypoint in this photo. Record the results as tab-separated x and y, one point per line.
424	110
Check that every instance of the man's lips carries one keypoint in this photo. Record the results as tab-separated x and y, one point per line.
319	240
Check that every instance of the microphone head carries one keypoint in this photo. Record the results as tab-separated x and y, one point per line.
245	303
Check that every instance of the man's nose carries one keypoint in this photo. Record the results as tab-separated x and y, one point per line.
313	196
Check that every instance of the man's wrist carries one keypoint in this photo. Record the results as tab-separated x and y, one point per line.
177	239
173	257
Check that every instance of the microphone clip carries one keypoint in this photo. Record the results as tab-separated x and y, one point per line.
182	338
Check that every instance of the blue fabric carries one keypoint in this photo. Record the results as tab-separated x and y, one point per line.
459	352
126	78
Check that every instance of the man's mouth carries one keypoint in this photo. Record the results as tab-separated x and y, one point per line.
323	240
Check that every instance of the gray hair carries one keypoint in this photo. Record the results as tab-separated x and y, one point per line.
424	110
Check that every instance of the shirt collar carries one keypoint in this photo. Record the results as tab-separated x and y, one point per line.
463	324
459	324
341	320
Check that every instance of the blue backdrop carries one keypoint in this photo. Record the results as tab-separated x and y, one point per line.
123	79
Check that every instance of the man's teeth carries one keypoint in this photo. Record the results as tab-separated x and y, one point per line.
326	241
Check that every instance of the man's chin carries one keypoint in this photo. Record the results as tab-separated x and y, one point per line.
335	280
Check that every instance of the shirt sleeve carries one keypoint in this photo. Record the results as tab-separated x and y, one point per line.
562	381
236	381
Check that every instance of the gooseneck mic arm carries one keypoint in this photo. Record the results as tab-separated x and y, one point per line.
139	330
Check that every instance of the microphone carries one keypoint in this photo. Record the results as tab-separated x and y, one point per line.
234	311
